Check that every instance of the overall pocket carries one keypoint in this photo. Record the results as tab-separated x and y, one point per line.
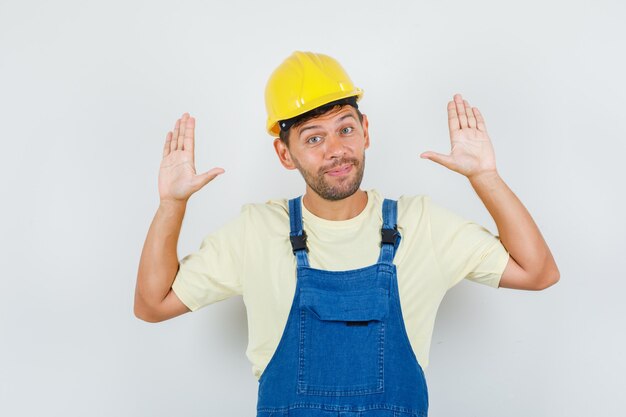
342	340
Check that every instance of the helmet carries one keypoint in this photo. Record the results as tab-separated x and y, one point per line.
303	82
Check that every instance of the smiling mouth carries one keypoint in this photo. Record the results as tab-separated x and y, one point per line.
344	169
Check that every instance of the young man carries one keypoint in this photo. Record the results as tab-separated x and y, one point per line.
341	286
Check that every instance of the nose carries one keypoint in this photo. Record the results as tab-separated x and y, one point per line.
334	146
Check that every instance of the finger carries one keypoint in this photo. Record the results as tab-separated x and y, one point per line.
168	143
175	136
181	132
471	120
189	135
460	109
445	160
453	119
480	120
203	179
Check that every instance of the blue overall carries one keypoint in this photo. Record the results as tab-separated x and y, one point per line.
344	350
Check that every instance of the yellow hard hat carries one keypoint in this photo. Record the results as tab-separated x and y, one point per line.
303	82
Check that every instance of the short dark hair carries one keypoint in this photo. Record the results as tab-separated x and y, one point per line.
316	112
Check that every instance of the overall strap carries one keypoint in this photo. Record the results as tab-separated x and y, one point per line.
297	234
390	235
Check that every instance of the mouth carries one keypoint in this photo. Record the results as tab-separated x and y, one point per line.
340	170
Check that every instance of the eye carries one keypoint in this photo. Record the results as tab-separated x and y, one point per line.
350	129
311	141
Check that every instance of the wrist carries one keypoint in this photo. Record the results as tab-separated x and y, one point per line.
172	205
484	177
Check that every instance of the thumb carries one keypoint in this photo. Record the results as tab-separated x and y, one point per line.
445	160
203	179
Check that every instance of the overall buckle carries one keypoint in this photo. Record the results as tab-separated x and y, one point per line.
298	242
389	235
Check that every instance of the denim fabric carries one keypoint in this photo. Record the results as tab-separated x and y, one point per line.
344	351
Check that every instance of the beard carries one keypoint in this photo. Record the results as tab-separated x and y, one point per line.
345	187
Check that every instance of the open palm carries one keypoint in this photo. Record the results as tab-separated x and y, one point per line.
177	175
471	150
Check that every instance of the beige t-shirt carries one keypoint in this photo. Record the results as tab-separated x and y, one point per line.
251	255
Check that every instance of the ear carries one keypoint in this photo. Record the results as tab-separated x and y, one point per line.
283	154
365	131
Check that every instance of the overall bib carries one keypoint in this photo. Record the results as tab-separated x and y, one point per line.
344	351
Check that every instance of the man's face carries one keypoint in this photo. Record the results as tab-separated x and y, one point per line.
329	152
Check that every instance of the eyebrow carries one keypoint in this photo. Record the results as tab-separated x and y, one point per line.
338	121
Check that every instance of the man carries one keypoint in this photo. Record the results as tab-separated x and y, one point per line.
341	286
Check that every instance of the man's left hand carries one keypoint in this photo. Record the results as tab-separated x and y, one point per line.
472	153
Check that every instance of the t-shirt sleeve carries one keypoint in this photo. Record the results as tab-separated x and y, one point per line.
213	272
465	249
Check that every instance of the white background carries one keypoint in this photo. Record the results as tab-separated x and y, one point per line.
88	91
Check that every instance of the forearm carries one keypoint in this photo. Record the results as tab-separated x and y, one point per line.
517	230
159	258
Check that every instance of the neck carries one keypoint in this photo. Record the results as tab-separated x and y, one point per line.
344	209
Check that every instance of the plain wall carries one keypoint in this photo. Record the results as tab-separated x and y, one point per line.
88	91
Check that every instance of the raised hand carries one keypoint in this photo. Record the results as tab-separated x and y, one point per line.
471	153
177	174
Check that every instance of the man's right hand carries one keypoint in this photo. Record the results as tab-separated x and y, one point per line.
177	174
